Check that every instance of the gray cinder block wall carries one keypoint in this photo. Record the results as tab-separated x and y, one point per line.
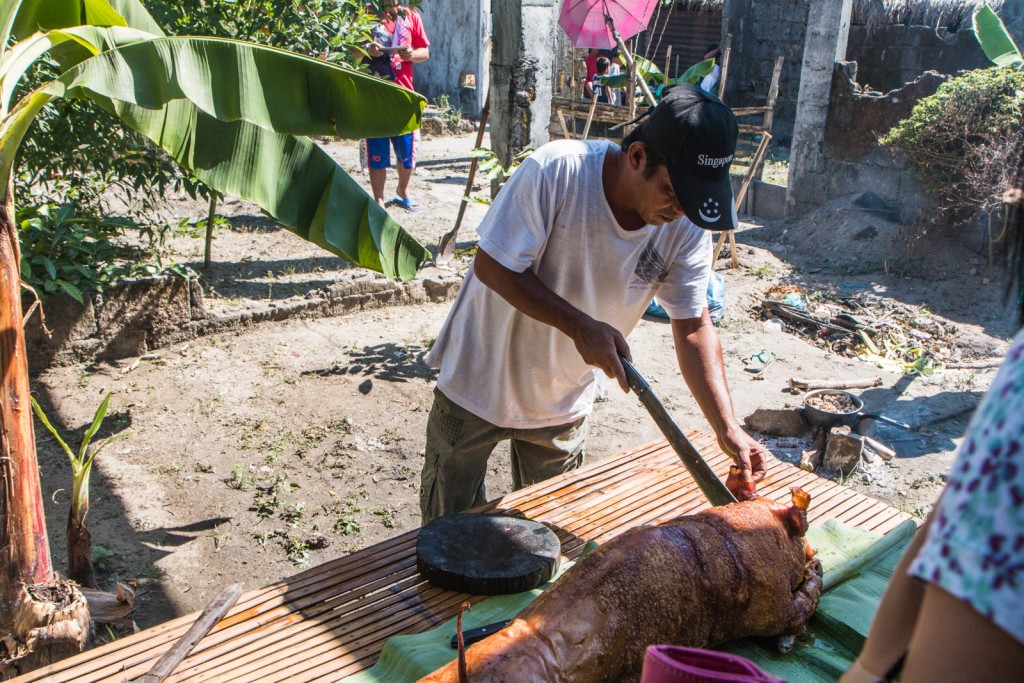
891	56
852	159
761	31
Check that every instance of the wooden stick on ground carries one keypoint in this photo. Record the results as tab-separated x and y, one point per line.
811	384
811	460
209	617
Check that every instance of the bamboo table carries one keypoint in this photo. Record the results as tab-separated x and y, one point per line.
332	620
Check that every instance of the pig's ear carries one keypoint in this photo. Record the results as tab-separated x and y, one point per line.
794	517
801	499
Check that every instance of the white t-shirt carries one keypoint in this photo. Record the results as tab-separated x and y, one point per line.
710	82
552	216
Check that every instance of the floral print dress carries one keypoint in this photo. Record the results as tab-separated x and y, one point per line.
975	549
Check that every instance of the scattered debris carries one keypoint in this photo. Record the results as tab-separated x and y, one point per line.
863	325
811	460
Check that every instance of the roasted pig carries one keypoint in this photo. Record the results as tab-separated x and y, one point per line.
729	572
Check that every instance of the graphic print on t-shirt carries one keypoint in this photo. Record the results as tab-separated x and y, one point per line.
650	268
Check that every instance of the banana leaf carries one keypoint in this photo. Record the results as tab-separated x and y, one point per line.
995	40
696	72
45	15
236	115
644	68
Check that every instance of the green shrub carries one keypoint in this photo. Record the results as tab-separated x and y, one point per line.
331	30
963	140
62	251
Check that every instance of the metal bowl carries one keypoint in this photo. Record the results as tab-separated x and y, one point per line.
823	418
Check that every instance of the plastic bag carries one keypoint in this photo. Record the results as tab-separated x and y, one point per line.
716	297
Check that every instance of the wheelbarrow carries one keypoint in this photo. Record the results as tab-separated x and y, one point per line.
826	420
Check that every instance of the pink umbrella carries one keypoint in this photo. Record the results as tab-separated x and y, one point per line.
586	21
605	24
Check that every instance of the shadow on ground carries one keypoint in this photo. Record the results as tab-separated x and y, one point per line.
386	362
137	550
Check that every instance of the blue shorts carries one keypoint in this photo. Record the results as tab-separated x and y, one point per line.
378	151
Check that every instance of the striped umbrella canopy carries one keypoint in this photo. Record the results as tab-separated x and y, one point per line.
585	21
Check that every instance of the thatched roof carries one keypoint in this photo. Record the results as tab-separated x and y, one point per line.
951	14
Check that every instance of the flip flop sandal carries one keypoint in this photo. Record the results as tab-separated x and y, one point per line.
758	362
407	203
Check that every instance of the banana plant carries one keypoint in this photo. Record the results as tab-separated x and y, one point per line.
237	116
995	40
80	567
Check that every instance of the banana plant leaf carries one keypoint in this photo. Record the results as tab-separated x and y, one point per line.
696	72
236	115
995	40
44	15
644	68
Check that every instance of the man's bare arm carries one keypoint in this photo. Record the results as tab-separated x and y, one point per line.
699	353
598	343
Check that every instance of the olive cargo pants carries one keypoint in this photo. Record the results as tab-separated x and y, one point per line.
459	444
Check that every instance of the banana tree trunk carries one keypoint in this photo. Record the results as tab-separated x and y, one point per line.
24	549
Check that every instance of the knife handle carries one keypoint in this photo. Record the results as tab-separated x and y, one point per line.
478	633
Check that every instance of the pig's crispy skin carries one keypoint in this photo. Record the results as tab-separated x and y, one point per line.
728	572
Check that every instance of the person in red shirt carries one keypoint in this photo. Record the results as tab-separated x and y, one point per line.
399	42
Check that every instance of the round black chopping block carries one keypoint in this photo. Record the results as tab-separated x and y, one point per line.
487	554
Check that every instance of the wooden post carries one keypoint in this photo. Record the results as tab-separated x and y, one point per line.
565	129
590	117
726	52
208	247
24	547
762	148
773	94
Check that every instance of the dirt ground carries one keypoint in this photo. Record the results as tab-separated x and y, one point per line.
256	452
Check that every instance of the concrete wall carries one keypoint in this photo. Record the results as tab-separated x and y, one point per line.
123	321
1012	14
851	159
459	33
761	31
522	74
889	56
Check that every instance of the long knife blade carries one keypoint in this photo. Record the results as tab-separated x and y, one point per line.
713	487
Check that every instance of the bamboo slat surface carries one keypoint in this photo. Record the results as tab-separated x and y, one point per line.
332	620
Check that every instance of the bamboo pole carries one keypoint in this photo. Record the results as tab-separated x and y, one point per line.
726	53
565	129
629	60
590	117
751	170
211	216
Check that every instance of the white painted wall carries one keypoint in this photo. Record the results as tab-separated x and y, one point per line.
459	33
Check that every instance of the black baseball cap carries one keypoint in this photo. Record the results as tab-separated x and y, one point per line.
695	133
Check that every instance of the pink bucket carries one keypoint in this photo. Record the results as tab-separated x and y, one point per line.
674	664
